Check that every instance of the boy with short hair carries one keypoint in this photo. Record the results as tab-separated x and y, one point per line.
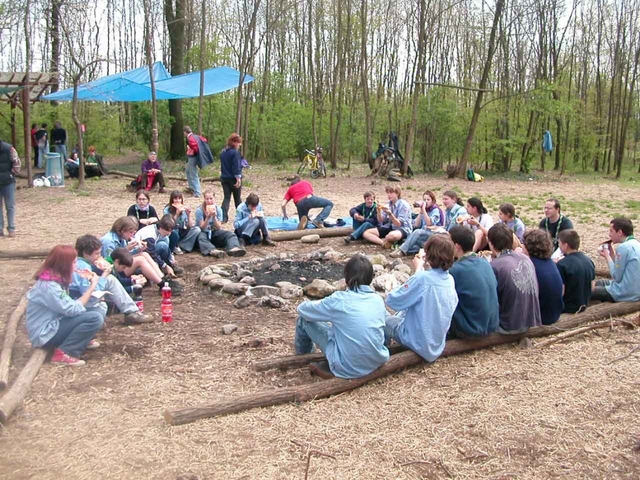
425	303
364	217
517	283
159	251
250	225
624	269
88	248
577	272
477	313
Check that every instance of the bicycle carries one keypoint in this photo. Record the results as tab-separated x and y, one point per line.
315	162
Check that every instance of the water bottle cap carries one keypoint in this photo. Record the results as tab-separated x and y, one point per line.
166	284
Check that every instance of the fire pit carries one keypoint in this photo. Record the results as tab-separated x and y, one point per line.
272	280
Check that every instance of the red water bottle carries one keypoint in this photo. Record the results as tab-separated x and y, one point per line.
137	297
166	308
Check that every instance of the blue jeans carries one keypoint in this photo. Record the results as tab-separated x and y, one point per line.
209	241
75	333
359	228
8	197
193	179
415	241
188	242
62	150
254	230
163	251
307	204
308	333
42	152
391	325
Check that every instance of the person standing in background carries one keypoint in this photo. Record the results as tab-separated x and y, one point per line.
9	166
231	174
42	140
59	139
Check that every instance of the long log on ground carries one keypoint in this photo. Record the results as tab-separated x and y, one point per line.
296	361
22	385
579	331
303	393
298	234
9	340
167	177
13	254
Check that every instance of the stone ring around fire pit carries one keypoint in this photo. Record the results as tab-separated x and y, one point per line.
273	280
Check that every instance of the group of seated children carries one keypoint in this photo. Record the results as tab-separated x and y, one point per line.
462	295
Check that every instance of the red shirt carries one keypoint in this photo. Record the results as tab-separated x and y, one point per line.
298	191
192	145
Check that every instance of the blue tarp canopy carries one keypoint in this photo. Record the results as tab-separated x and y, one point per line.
135	85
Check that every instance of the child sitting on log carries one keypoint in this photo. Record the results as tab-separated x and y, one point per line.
348	326
187	232
89	260
517	283
425	303
577	272
365	216
54	319
143	210
250	224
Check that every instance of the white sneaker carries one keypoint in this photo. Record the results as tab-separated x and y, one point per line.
397	254
178	251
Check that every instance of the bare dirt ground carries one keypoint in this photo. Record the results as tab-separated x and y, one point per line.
564	411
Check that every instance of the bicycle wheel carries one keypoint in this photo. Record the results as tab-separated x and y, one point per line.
301	167
323	168
315	173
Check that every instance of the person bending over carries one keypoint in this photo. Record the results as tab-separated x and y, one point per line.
425	303
212	236
539	247
365	216
301	192
155	239
430	216
120	236
517	283
231	174
477	313
394	220
348	326
88	248
577	272
143	210
55	320
250	225
624	265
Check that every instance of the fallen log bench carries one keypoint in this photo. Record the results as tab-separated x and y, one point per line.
9	339
120	173
284	236
326	388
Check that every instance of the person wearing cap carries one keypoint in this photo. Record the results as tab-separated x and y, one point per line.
152	173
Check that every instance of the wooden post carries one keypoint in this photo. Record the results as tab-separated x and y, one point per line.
303	393
9	340
26	115
23	254
22	385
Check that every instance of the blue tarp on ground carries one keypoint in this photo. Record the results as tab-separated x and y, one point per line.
277	223
134	85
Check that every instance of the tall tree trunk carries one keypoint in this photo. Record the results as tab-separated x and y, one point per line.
364	75
26	103
76	122
461	166
203	46
175	20
417	83
148	38
54	66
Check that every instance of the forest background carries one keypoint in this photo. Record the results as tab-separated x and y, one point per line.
344	73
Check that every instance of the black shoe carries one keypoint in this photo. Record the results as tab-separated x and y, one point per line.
268	242
348	240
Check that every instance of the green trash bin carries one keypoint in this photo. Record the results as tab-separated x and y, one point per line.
54	169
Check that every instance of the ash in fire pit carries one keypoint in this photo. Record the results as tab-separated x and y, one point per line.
297	272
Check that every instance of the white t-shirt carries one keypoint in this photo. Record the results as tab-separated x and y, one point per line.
485	220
